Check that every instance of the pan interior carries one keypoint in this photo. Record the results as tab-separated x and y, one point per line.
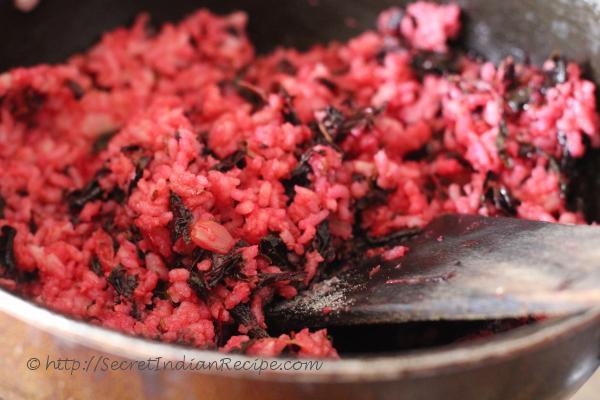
525	29
529	30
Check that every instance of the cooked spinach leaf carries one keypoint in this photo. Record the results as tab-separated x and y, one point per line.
243	315
95	266
101	142
7	252
235	160
123	283
274	249
182	218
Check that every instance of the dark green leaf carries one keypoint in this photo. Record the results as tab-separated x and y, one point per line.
288	111
498	196
139	172
123	284
160	290
95	266
7	254
75	88
251	94
274	249
329	84
243	315
501	144
299	175
101	142
235	160
77	199
182	218
322	242
284	65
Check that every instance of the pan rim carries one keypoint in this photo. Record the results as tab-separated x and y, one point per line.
349	369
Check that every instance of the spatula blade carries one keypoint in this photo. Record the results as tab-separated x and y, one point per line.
462	267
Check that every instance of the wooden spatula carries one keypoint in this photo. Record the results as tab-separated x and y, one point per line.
461	267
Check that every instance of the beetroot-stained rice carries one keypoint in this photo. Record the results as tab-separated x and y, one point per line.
170	185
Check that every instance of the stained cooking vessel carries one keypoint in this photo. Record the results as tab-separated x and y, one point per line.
544	360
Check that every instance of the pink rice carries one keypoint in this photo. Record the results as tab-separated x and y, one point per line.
102	157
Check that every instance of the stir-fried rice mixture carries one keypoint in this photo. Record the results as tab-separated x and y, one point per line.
171	183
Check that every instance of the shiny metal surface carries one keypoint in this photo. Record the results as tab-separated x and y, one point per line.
590	390
545	361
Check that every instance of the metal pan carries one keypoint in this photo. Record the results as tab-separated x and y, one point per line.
545	360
